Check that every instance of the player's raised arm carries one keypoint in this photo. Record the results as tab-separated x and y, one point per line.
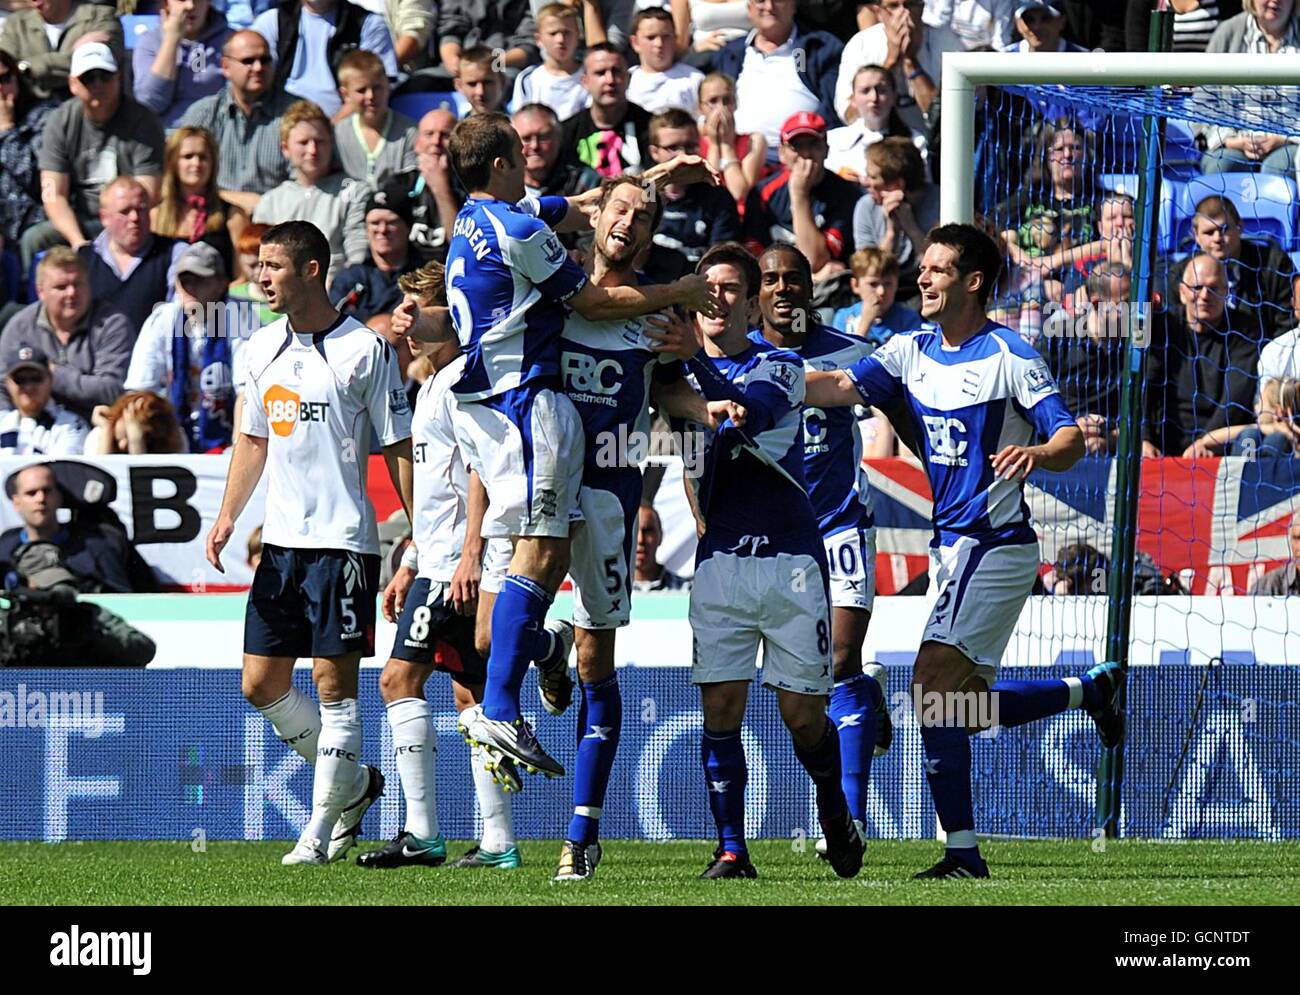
427	324
612	303
830	389
1059	453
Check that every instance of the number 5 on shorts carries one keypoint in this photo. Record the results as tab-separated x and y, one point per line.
349	616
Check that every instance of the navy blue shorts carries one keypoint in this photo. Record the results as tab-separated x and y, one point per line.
312	602
434	634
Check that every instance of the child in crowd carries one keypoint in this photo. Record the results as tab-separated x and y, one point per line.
371	139
875	316
557	82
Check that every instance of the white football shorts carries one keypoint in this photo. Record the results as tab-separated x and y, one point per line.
851	560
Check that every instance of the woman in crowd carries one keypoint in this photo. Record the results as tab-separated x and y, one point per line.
190	206
706	25
136	423
739	158
179	61
874	106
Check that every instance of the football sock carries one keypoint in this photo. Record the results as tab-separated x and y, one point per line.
296	720
947	768
600	719
416	750
822	763
1018	702
337	772
517	640
494	806
725	774
853	710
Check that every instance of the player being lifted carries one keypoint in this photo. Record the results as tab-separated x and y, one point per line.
977	395
608	368
760	573
435	630
841	500
317	383
508	278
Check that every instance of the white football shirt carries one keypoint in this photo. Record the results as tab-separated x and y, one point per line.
315	399
441	478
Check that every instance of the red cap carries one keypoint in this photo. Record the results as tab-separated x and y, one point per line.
803	123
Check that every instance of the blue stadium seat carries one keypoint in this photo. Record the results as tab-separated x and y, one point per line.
1266	202
416	105
134	25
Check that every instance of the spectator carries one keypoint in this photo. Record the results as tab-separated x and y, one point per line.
1260	274
707	25
178	61
802	203
1283	581
1041	26
1201	368
546	172
372	138
88	342
370	287
479	81
495	24
1264	27
191	208
1089	367
88	142
875	316
901	43
695	216
431	188
1275	432
22	122
137	423
612	135
780	70
1079	570
603	20
557	82
874	106
1195	22
100	559
411	24
189	350
1281	357
1056	209
310	39
37	425
314	194
900	207
42	37
660	81
651	575
245	290
244	120
129	267
740	159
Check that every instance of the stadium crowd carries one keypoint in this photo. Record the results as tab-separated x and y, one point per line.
144	147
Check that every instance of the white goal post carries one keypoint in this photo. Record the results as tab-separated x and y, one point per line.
964	71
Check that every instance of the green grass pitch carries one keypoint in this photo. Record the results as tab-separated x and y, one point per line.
1040	872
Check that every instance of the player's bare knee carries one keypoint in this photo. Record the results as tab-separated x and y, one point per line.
846	660
724	705
399	680
595	655
804	716
262	684
335	677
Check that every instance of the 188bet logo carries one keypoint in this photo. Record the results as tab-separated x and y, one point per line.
284	408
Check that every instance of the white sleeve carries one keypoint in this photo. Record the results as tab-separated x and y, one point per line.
254	420
150	366
385	397
68	438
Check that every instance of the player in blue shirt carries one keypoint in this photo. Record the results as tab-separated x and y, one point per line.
610	370
841	500
976	395
508	280
760	573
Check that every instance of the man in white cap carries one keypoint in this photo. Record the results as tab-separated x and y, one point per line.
97	136
38	425
1041	25
189	350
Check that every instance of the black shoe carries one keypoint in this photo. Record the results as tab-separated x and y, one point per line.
348	827
513	740
950	868
729	865
844	845
577	862
406	851
1108	716
884	722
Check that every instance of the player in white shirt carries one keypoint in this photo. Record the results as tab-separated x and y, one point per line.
433	594
318	383
976	396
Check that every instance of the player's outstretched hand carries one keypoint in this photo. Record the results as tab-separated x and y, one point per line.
720	411
217	539
464	585
395	592
673	334
405	317
1015	462
695	294
683	170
